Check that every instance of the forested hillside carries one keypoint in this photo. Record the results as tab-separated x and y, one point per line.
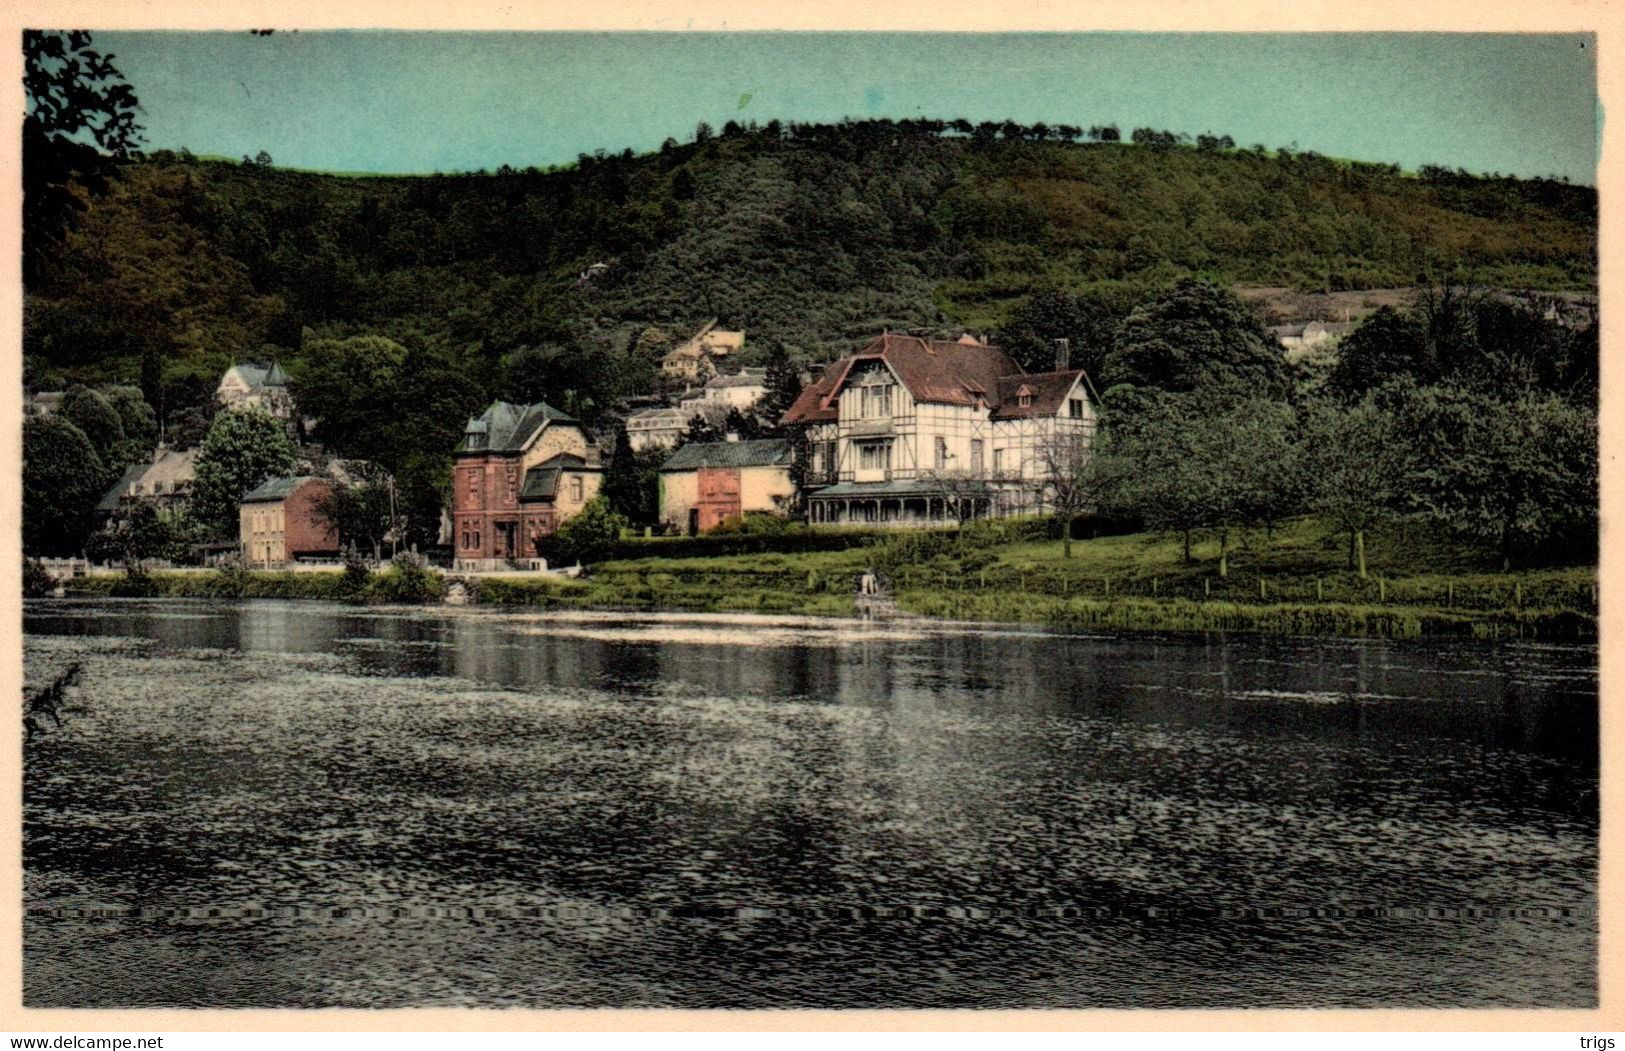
808	237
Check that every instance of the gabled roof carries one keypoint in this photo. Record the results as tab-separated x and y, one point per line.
506	427
278	488
933	370
542	481
1047	389
110	499
176	467
766	452
747	378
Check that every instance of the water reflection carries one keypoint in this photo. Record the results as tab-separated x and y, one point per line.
311	756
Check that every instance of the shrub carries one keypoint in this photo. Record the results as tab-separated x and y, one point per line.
409	580
231	579
135	583
590	536
37	583
357	574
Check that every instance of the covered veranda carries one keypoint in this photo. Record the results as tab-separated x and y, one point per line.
900	504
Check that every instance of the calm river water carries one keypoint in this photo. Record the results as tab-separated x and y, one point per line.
289	804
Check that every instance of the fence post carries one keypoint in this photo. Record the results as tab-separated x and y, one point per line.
1382	589
1261	591
1517	593
1207	588
1320	596
1450	594
1154	582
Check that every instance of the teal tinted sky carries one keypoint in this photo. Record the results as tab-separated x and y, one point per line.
423	102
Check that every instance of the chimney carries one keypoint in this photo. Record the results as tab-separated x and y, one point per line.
1063	355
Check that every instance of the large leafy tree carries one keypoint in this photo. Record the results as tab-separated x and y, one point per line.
80	116
1387	344
62	480
1195	334
1519	473
375	399
1357	458
244	448
1087	320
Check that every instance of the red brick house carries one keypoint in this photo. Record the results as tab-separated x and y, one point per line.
518	474
278	522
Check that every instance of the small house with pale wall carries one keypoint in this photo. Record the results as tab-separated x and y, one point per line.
699	355
280	522
704	484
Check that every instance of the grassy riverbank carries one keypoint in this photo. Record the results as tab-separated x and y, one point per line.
1293	581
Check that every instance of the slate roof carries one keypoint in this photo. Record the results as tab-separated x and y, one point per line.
277	489
765	452
506	427
110	500
168	470
964	372
542	481
259	377
746	378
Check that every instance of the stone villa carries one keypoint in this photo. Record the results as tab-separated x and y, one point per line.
519	472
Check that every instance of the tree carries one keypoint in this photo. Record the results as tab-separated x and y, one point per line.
783	383
1387	344
262	159
1357	460
1088	320
363	512
1194	334
1067	479
91	412
706	425
139	422
134	535
63	478
80	118
1519	473
243	449
630	482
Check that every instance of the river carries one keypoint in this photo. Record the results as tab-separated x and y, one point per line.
280	804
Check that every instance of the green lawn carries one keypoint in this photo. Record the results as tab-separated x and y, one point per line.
1293	580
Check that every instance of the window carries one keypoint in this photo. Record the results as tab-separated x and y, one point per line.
473	483
1075	408
942	453
576	488
513	483
476	539
875	395
1025	401
976	456
998	461
874	456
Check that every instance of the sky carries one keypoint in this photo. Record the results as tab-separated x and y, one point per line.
395	102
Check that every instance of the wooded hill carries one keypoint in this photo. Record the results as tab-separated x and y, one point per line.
810	238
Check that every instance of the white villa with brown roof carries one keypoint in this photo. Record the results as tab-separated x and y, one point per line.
914	431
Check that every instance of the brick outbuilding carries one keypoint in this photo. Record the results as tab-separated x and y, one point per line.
279	523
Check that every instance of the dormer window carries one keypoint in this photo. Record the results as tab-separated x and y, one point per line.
1025	401
874	394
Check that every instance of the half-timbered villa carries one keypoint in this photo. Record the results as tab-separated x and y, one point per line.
915	431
